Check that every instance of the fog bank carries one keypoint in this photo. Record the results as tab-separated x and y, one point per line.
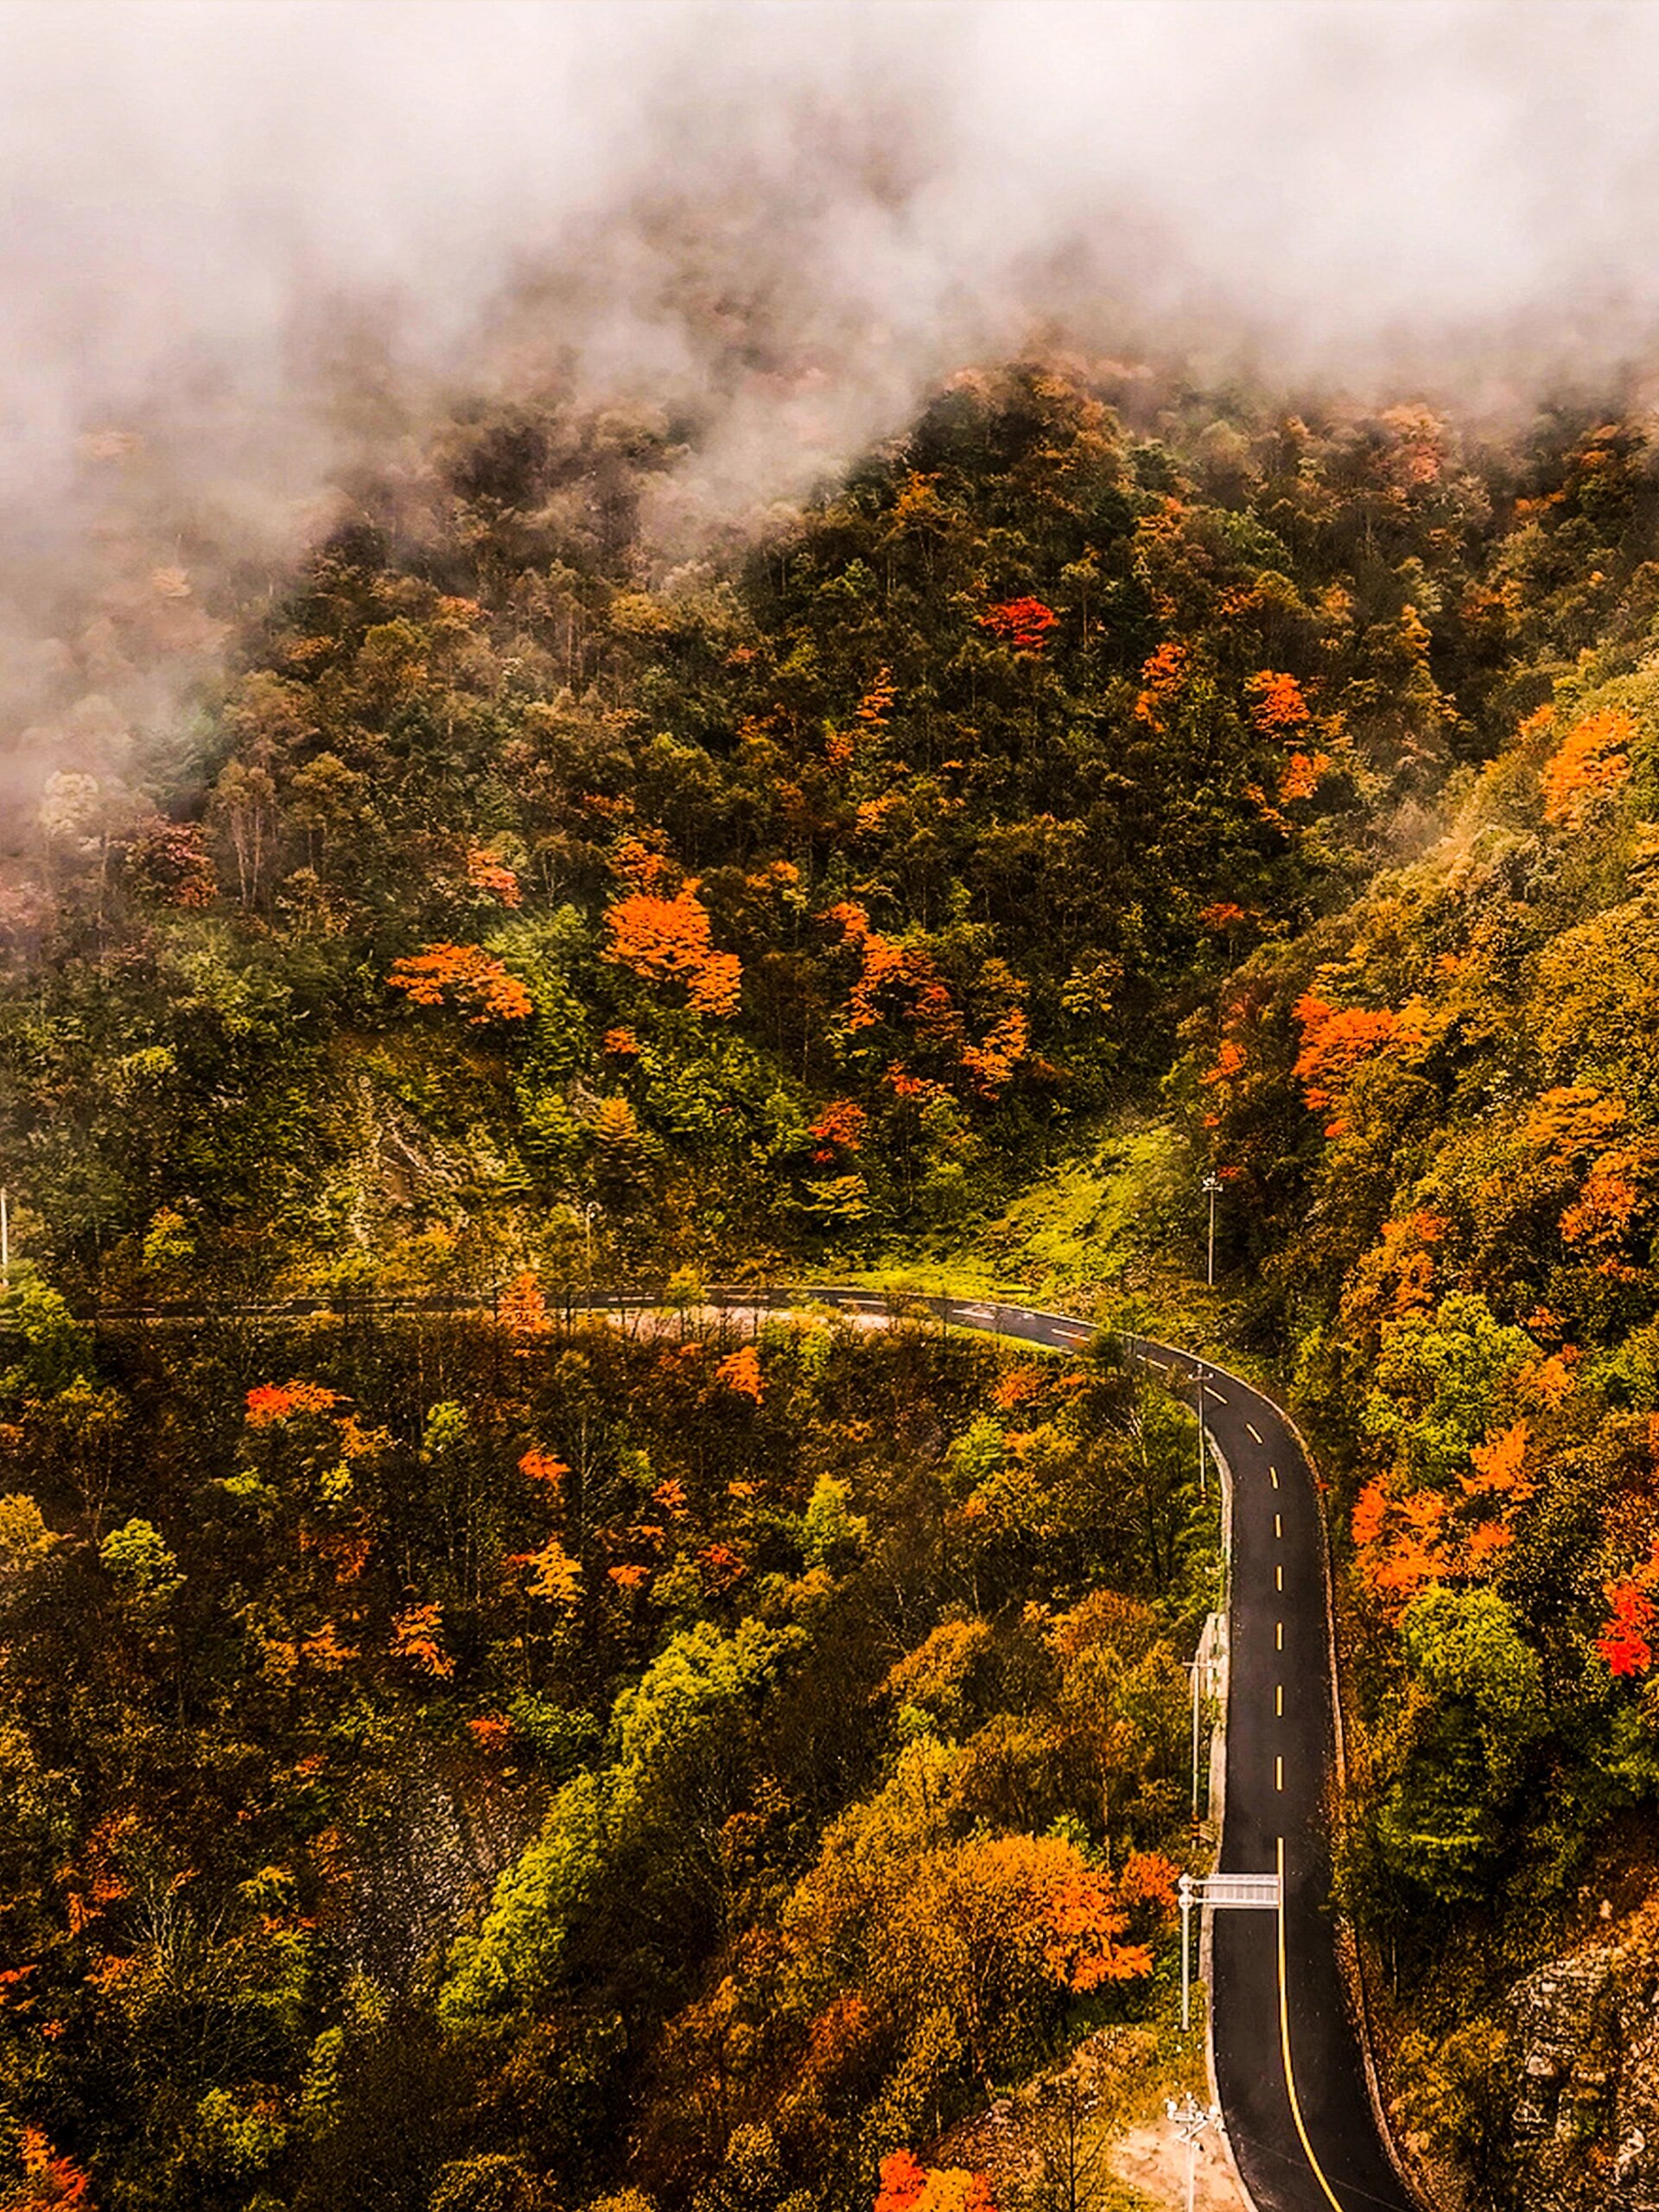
251	248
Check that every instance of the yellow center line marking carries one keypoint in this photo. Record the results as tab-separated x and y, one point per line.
1278	1774
1330	2197
1279	1701
1273	1472
1279	1635
1278	1527
1253	1430
1279	1578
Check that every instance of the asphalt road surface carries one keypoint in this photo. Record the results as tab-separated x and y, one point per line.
1288	2068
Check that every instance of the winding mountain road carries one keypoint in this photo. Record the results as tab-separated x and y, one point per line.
1289	2064
1289	2067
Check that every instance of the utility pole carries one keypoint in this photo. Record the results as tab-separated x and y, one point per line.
1191	2119
1211	1185
5	1238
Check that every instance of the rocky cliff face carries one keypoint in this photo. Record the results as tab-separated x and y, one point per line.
1583	2090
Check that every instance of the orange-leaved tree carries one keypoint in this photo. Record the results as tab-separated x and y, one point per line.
1626	1640
740	1371
1605	1208
1082	1919
416	1635
468	975
50	2181
557	1576
1006	1921
842	1123
486	871
670	940
883	961
1407	1541
1276	703
1301	776
1022	623
1337	1041
1590	760
1163	679
269	1402
539	1467
909	2186
873	706
1631	1627
990	1064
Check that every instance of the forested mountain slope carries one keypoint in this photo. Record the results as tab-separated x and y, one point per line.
491	1769
673	1766
790	896
1440	1123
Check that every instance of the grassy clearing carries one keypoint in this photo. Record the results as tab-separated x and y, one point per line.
1112	1230
1094	1217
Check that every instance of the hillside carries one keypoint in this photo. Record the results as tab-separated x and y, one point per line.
519	897
1440	1119
546	1767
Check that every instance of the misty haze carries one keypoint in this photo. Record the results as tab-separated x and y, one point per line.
828	1133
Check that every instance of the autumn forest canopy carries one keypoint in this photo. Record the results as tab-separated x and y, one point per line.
465	1752
784	900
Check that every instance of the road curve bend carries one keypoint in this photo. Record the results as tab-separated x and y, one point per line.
1289	2062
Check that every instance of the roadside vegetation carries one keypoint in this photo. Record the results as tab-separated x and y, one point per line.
1448	1091
487	1765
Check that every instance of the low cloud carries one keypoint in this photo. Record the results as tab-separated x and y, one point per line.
252	249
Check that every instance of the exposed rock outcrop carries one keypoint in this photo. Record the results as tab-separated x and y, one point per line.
1583	2120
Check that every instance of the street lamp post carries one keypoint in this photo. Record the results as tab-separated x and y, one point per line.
1195	1670
1191	2119
1204	1479
1212	1186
